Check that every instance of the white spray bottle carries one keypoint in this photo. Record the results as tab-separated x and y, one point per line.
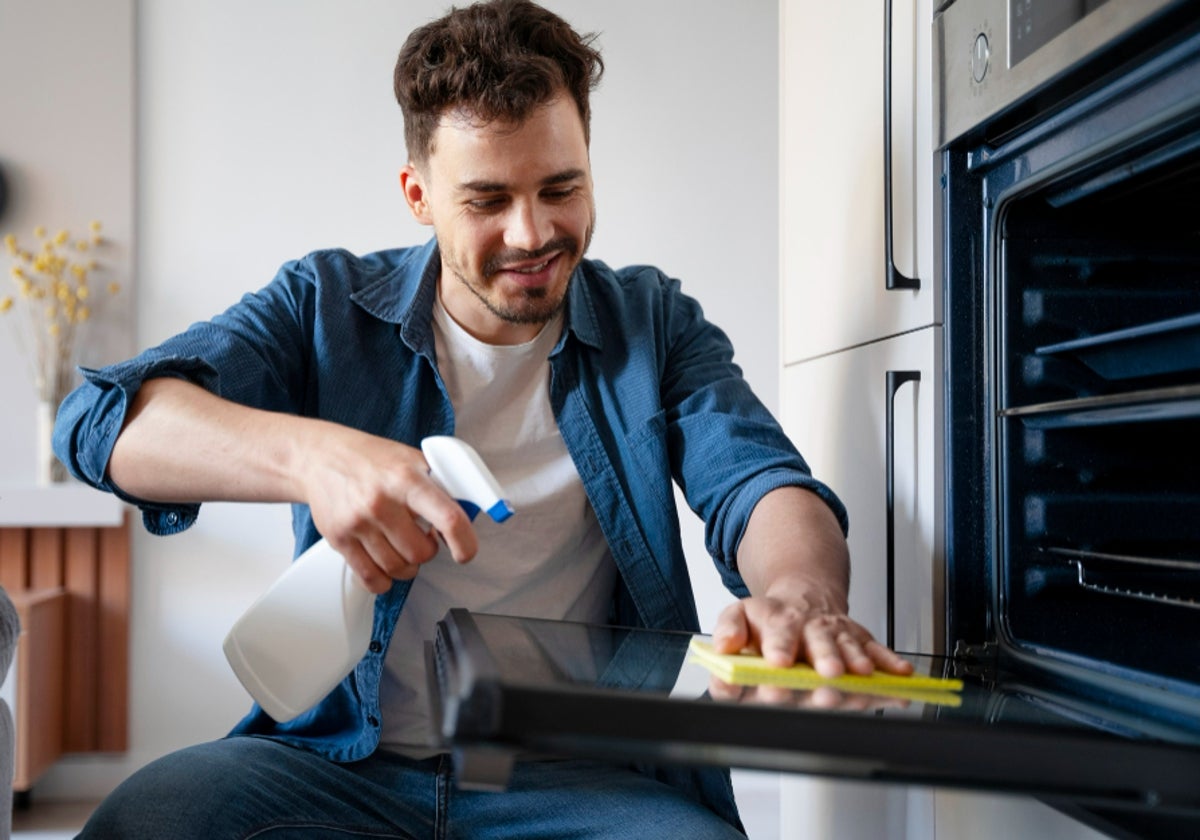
309	630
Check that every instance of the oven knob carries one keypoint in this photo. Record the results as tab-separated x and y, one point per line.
980	54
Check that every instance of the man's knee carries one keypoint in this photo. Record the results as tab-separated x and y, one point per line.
182	794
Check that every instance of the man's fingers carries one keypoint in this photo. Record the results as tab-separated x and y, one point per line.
373	577
732	631
780	637
886	659
822	648
854	657
782	634
446	516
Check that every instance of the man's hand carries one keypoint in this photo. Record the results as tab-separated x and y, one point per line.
785	633
368	497
796	564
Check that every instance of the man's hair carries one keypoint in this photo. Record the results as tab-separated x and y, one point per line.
496	60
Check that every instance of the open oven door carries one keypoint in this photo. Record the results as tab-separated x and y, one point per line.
504	686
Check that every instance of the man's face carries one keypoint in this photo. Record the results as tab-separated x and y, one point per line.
512	208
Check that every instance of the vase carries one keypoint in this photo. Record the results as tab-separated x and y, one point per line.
49	469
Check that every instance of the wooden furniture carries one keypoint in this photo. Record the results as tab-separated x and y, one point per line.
39	675
67	571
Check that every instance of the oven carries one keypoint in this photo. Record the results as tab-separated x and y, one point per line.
1063	379
1068	163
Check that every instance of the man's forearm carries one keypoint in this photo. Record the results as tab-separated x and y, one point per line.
793	549
368	494
181	443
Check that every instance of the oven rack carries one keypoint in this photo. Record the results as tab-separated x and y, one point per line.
1167	346
1114	579
1173	403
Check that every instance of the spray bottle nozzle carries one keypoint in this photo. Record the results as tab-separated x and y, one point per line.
457	467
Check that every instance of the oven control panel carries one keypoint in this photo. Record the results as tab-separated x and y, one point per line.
989	54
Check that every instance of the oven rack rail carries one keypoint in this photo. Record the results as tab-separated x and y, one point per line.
1088	578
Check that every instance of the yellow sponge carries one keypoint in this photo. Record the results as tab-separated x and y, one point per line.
751	669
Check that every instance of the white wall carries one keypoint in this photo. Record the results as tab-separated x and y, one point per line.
66	145
268	128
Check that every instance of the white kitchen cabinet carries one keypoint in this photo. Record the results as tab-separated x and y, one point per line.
832	174
835	410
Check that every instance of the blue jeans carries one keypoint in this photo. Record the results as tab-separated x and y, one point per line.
245	787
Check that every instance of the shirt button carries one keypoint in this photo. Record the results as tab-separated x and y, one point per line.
375	647
172	518
374	721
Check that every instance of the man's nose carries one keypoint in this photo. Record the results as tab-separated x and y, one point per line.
530	226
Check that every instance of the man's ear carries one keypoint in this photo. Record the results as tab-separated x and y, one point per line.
413	186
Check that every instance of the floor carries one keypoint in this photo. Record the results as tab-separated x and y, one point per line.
50	820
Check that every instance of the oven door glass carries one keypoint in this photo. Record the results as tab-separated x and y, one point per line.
525	685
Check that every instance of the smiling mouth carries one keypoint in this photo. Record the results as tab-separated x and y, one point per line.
531	269
531	263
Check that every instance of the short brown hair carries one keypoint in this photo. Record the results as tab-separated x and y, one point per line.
498	59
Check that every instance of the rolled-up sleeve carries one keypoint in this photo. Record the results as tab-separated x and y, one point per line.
728	451
254	353
91	418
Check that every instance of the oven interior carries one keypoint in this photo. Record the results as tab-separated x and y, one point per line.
1097	420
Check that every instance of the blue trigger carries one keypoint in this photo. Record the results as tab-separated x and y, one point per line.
472	510
500	511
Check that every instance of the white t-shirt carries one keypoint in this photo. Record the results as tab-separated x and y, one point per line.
550	560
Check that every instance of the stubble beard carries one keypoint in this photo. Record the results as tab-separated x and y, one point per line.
534	306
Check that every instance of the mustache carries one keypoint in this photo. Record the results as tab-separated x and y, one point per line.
496	262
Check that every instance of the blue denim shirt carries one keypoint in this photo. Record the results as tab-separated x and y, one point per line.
644	390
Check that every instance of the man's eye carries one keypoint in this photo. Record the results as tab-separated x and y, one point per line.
559	194
485	203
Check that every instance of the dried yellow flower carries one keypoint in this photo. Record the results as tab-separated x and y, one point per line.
52	288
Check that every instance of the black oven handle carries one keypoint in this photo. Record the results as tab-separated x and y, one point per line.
894	278
895	378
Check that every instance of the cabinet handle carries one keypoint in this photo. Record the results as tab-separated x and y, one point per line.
894	279
895	378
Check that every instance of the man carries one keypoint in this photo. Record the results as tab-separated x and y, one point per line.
587	391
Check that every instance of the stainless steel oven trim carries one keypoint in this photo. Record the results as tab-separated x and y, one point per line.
960	102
